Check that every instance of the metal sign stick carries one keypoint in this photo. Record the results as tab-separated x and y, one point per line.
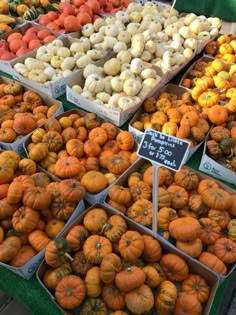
155	197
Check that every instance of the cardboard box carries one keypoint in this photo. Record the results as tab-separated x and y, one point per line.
114	116
204	58
29	269
194	267
18	144
22	28
122	181
90	198
216	168
52	88
137	134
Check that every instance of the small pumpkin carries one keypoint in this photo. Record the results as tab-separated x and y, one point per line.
187	303
185	229
213	262
93	282
174	267
131	245
70	291
53	276
225	250
9	248
140	300
96	247
57	252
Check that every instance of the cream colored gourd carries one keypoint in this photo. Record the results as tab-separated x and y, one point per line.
135	17
123	16
37	75
126	102
150	46
103	97
63	52
96	38
127	74
136	65
185	32
132	87
87	30
77	88
108	43
117	84
88	95
146	56
124	37
57	76
49	71
99	22
21	69
68	63
94	83
32	63
56	61
95	54
90	69
112	66
124	56
111	30
171	30
196	26
148	73
114	99
83	61
76	48
151	82
119	46
190	43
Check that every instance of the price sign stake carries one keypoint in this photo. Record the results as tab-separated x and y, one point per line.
161	150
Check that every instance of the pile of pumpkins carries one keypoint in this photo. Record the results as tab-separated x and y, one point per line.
222	48
120	83
56	60
82	146
33	208
101	264
173	113
196	214
143	31
21	111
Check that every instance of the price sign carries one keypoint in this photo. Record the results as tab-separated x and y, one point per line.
163	149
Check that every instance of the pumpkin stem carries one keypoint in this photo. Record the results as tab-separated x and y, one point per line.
68	256
105	227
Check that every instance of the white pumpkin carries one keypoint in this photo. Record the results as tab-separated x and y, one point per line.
56	61
49	71
123	16
103	97
189	18
179	59
124	66
127	74
134	6
95	54
63	52
126	102
188	53
32	63
108	43
68	63
87	30
83	61
146	56
107	83
136	65
154	27
124	37
113	100
96	38
215	22
90	69
124	56
150	46
98	23
77	89
190	43
162	36
185	32
117	84
85	42
196	26
110	19
88	95
66	73
144	92
170	30
119	46
135	17
37	75
150	82
132	87
57	43
94	83
159	50
21	69
76	47
137	48
132	28
45	57
176	44
204	36
112	66
111	30
148	73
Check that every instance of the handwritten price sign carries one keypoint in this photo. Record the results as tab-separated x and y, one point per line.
163	149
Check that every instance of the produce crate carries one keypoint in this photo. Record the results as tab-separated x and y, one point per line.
22	28
117	117
216	168
122	181
90	198
194	266
52	88
28	269
169	88
18	144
